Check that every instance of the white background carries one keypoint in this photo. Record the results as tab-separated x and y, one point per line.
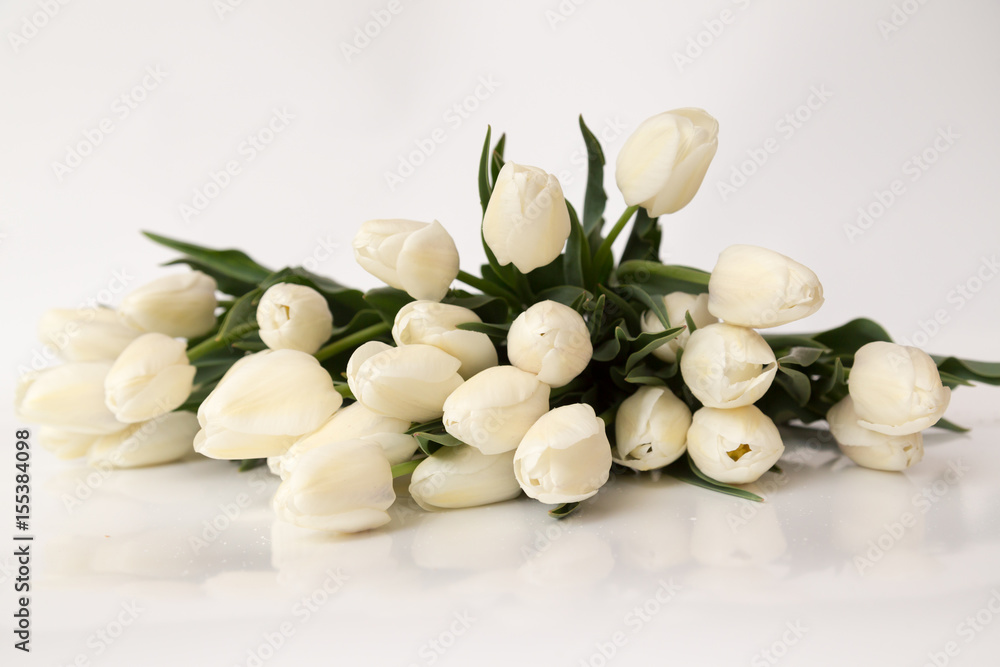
891	89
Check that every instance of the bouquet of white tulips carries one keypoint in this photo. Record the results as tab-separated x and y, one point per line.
551	369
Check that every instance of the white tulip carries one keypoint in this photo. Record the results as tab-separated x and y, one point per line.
727	366
352	423
759	288
180	305
463	477
734	446
550	340
65	444
409	382
526	221
896	388
343	486
263	403
871	449
494	409
294	317
651	429
151	377
565	457
161	440
433	323
677	304
85	334
69	397
417	257
662	164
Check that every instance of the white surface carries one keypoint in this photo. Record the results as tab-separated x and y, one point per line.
64	241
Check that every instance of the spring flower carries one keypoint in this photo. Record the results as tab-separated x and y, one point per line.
432	323
463	477
161	440
68	397
734	446
417	257
294	317
151	377
871	449
677	304
85	334
180	305
651	429
550	340
727	366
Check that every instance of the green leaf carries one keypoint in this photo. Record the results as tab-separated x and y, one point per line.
967	369
576	259
619	307
796	383
950	426
233	263
496	162
644	375
595	199
564	294
801	356
659	278
344	390
242	317
250	464
431	442
644	240
485	186
387	301
654	303
834	386
953	381
489	308
610	348
689	321
685	470
224	281
848	338
645	343
788	341
563	510
492	330
433	425
595	316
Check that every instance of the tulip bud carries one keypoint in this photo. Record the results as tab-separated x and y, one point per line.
651	429
343	486
896	389
550	340
661	166
263	403
734	446
151	377
463	477
181	305
759	288
85	334
871	449
494	409
162	440
565	457
69	397
294	317
352	423
65	444
727	366
409	382
432	323
526	221
677	304
417	257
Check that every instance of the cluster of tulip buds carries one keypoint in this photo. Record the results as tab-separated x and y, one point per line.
126	396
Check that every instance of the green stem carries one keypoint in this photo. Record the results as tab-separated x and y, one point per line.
487	287
608	416
355	339
605	247
206	347
406	468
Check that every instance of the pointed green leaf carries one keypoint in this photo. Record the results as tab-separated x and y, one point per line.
576	259
644	240
658	278
498	331
685	470
645	343
563	510
796	383
967	369
848	338
387	301
801	356
233	263
595	199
